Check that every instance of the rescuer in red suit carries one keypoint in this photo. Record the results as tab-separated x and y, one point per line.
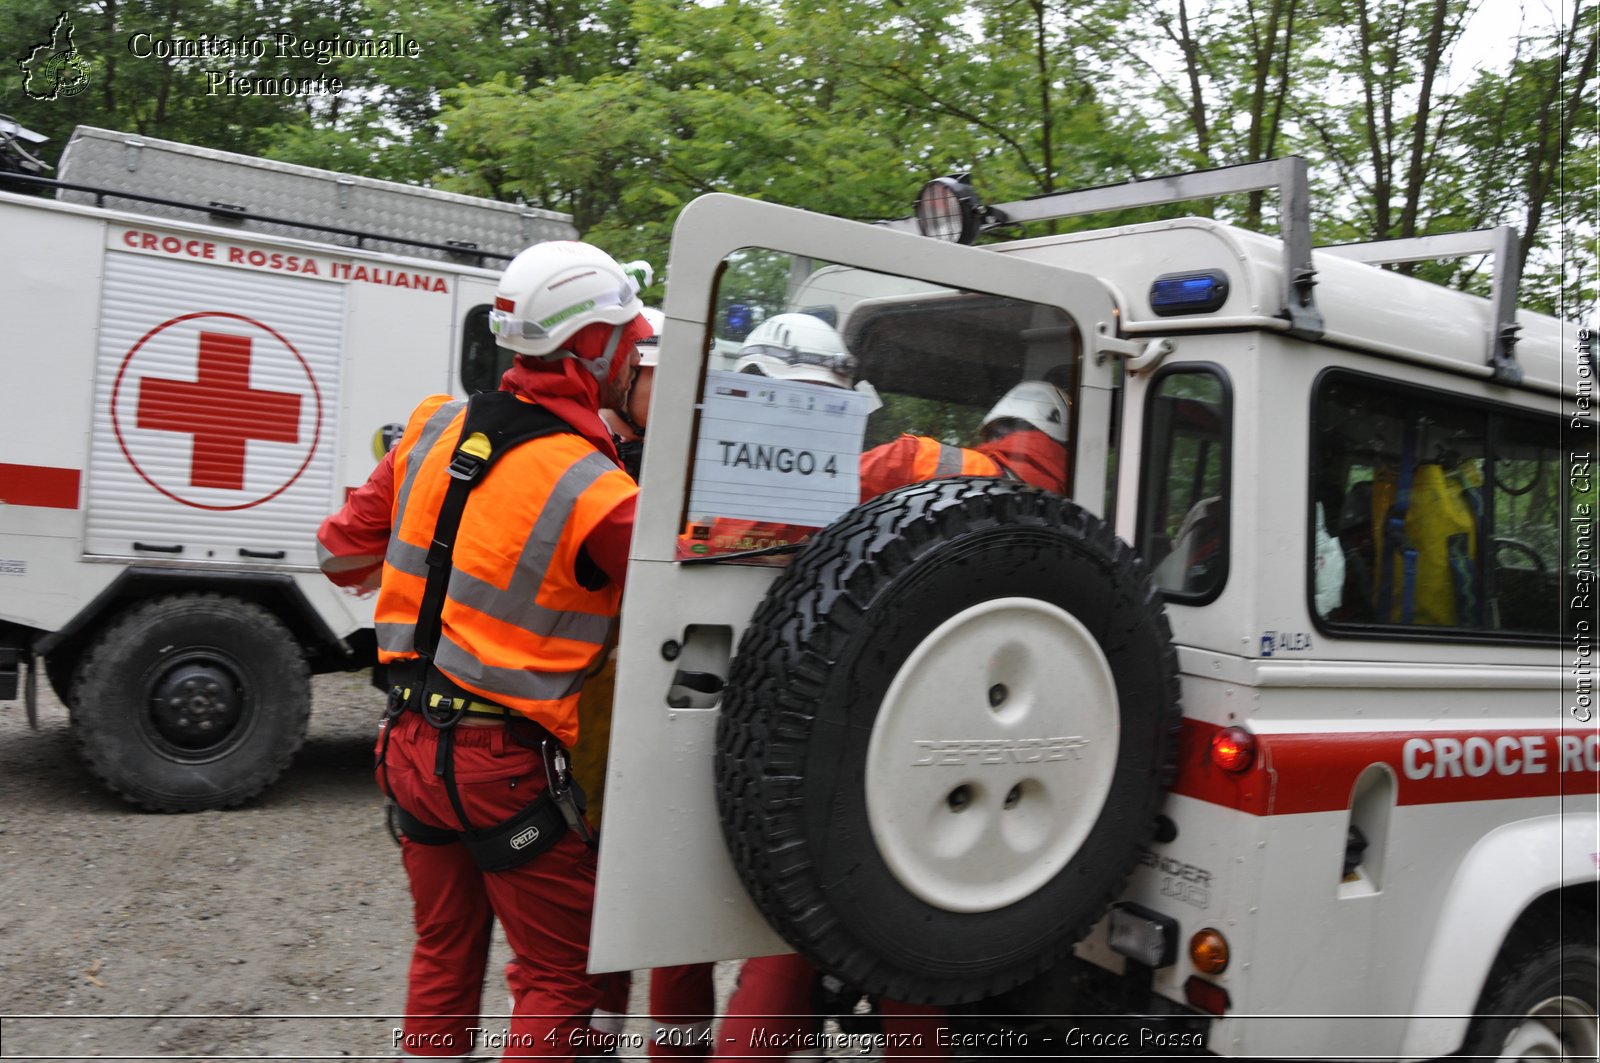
487	662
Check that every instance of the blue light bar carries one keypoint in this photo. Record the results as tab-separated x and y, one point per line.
1188	293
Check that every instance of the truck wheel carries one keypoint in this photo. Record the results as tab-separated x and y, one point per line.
191	702
945	737
1544	1005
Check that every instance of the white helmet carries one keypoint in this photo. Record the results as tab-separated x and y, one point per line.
1044	406
650	347
797	347
553	289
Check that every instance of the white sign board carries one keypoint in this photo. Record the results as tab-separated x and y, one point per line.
777	450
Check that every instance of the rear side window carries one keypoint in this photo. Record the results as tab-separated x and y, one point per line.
1446	515
1184	496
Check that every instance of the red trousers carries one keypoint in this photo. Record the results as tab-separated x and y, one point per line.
682	1001
772	1015
545	905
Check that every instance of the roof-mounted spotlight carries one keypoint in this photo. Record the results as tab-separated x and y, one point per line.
948	209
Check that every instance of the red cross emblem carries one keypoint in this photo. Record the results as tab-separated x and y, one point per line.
187	431
221	410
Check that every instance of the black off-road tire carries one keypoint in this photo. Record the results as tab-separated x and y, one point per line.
908	576
1542	995
191	702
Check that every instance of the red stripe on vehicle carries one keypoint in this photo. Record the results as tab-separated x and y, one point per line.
1295	773
39	485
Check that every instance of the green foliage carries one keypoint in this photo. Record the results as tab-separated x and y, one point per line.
622	111
947	422
129	89
1400	143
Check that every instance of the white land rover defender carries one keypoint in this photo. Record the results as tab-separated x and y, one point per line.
1276	730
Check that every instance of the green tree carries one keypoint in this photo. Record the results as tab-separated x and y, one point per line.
1360	88
621	111
130	88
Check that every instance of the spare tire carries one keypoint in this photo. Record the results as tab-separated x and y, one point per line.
945	737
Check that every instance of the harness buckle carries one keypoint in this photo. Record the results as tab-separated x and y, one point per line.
559	774
465	466
443	712
471	457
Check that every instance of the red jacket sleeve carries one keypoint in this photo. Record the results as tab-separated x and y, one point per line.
608	542
352	542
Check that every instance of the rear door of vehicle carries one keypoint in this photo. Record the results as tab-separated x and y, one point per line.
667	891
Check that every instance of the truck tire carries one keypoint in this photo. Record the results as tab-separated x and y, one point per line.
1542	1002
945	738
191	702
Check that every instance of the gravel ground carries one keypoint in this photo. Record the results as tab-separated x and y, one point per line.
280	929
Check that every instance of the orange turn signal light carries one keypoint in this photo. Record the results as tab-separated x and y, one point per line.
1233	749
1208	951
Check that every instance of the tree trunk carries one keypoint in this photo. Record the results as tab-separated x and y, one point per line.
1432	57
1262	137
1197	101
1042	57
1542	161
1381	190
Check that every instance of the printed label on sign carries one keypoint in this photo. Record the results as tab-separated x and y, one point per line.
13	567
777	450
268	260
1284	642
1315	771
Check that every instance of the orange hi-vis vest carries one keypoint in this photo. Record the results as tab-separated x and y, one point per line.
936	459
517	628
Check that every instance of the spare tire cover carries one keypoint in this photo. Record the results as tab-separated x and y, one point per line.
945	737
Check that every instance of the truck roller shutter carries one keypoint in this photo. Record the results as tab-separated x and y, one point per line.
214	417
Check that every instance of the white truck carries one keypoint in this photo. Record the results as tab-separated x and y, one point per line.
1275	739
203	353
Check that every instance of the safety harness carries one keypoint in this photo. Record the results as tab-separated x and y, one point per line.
495	423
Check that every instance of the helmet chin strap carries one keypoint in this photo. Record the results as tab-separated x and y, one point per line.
604	374
601	366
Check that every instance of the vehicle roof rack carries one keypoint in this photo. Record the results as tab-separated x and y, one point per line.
1500	243
454	250
1287	175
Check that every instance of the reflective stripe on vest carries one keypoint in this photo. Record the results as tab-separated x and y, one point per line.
431	430
937	459
517	628
517	604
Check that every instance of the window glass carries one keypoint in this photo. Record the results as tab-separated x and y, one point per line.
1183	509
827	385
1526	486
483	362
1446	515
